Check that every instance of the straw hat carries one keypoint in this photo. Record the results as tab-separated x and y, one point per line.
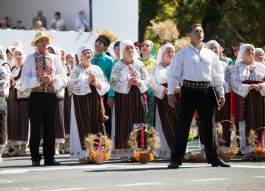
40	35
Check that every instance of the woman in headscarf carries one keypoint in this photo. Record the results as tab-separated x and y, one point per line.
149	61
165	115
4	90
88	84
247	81
129	80
18	120
224	112
59	113
259	55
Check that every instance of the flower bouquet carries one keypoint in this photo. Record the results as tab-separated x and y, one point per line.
98	147
144	140
224	152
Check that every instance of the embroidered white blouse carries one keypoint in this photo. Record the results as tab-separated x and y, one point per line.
242	72
4	81
121	73
158	77
191	64
29	78
79	84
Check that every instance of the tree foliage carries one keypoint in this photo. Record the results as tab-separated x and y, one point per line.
232	20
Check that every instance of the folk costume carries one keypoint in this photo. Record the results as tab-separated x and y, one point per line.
106	64
86	108
128	106
249	104
197	71
4	90
18	120
42	99
165	115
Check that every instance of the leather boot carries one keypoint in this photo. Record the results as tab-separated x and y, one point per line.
22	151
15	151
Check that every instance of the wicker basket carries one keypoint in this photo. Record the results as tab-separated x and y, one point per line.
261	156
99	160
144	157
225	155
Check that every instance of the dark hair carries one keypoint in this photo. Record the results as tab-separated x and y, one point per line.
117	44
104	39
58	13
136	44
193	26
19	21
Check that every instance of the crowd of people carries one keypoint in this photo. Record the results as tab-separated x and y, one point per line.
67	96
40	23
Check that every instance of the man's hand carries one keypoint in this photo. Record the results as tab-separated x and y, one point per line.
46	79
221	100
172	100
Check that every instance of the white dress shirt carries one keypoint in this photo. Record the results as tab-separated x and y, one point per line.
190	64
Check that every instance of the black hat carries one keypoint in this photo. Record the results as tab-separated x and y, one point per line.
104	39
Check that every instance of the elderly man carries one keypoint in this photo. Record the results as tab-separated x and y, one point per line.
43	75
197	69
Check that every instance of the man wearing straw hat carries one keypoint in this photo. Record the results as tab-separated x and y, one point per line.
44	75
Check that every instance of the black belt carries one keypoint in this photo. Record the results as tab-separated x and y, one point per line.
196	84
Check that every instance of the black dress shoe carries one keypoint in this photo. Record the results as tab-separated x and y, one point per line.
219	162
173	165
35	163
51	163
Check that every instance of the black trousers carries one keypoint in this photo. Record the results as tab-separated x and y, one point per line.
204	103
42	108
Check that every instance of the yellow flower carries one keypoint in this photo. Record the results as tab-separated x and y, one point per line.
94	154
259	150
137	155
105	156
151	157
233	152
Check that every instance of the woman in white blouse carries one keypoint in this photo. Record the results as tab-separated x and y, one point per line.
129	80
165	115
88	84
18	119
247	81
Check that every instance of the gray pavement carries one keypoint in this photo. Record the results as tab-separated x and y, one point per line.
16	174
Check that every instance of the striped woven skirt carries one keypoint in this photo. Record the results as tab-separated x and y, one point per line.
88	116
129	109
168	117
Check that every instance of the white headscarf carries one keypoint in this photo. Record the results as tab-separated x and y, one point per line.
242	50
123	45
3	50
21	50
56	50
259	50
208	44
81	49
161	51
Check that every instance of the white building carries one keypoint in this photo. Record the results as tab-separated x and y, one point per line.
120	16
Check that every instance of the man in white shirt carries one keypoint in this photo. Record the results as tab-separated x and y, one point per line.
44	76
197	69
